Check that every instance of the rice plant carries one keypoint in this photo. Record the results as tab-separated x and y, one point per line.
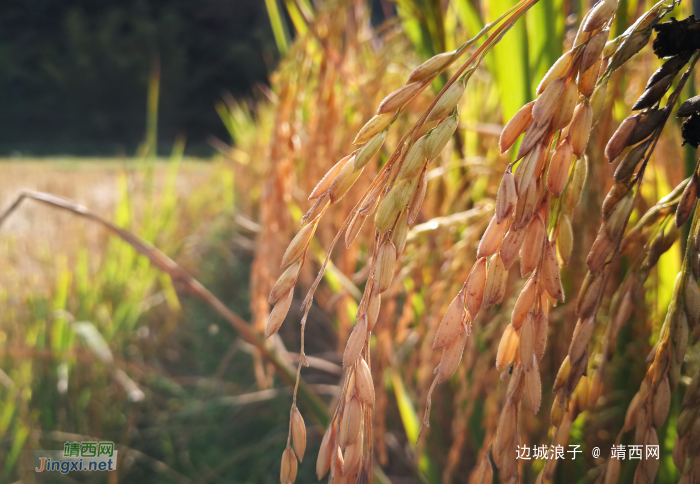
541	187
422	157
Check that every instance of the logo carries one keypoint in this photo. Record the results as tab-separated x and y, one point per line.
77	457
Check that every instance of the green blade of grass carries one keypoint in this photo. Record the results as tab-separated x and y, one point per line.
297	17
279	28
545	37
511	66
411	425
469	16
413	21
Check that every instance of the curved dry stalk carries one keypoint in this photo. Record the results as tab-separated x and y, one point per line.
185	280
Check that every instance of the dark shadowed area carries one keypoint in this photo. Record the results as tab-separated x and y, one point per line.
74	74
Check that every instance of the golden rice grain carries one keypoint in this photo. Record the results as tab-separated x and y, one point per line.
600	14
565	108
447	102
404	191
533	136
629	163
557	409
531	249
375	302
598	100
618	141
512	242
430	67
507	426
507	347
526	170
325	452
364	383
387	212
438	138
653	93
375	125
550	273
384	271
415	159
562	374
368	150
298	433
506	197
558	70
578	181
594	49
397	99
541	327
581	393
452	355
345	179
533	389
680	336
400	233
451	322
354	228
596	388
565	240
496	279
631	46
580	128
278	313
587	79
689	198
580	339
527	205
524	303
558	173
353	457
600	250
490	242
548	100
484	473
356	342
476	284
328	178
285	282
417	201
527	342
515	127
617	192
351	425
661	403
288	467
297	247
618	216
692	300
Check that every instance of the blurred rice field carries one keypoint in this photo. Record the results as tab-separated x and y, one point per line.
35	236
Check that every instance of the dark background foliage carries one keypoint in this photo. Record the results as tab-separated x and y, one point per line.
74	74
